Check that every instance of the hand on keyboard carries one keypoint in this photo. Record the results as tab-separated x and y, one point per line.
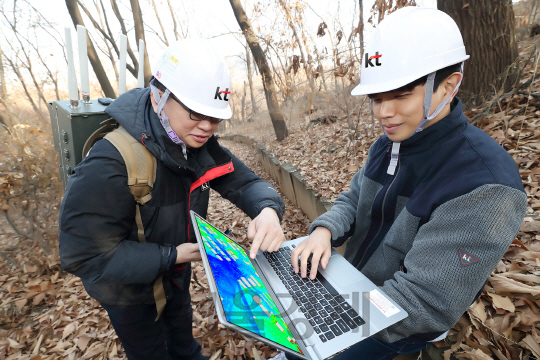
265	232
318	244
327	311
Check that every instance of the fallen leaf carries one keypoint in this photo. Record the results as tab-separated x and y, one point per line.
20	303
502	302
68	330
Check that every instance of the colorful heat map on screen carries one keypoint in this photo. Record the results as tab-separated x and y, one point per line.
245	299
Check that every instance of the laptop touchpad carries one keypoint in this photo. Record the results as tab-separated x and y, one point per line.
342	272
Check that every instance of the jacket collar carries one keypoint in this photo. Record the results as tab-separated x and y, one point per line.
448	127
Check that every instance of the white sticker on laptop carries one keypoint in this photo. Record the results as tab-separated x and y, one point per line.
382	303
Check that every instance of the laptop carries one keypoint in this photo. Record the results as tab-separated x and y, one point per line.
264	299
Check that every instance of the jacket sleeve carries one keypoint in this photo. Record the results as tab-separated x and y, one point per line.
97	216
340	219
452	256
247	191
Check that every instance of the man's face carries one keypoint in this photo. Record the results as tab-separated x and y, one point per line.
399	112
192	132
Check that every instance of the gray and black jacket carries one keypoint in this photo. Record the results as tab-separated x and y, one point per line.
98	234
430	235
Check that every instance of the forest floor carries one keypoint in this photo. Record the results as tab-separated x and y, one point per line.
45	313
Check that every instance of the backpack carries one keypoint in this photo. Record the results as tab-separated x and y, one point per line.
141	170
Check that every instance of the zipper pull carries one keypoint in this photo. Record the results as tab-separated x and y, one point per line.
393	158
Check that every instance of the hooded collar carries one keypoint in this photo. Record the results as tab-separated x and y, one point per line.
134	112
447	127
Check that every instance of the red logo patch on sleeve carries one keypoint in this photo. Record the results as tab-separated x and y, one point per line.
467	258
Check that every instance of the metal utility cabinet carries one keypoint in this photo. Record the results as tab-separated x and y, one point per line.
75	130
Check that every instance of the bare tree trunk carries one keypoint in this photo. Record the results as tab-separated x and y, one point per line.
253	103
535	11
487	27
92	55
534	4
3	88
139	34
160	24
278	121
244	104
5	121
361	28
174	20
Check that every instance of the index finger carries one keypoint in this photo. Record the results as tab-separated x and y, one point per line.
294	255
257	242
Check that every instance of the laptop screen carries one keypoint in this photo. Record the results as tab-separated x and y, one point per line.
244	297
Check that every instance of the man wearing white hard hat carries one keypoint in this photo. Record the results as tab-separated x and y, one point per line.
135	259
438	201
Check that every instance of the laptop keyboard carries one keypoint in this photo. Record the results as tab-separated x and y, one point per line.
327	311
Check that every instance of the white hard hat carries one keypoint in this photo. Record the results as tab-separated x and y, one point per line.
194	72
409	44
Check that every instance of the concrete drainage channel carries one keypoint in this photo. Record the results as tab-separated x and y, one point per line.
288	178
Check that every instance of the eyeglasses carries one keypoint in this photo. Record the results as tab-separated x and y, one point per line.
193	115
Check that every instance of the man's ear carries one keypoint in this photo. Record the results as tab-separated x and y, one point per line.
154	103
450	84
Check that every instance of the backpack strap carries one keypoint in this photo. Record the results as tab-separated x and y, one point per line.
140	164
141	170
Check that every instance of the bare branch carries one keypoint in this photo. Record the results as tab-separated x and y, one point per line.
174	20
108	37
160	24
8	259
109	51
10	221
76	17
52	27
132	56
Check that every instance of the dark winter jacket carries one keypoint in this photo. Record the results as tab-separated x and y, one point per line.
98	233
431	234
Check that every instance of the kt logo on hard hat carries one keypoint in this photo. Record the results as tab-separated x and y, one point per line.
376	57
218	94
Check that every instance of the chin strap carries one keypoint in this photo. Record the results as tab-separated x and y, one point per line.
164	119
428	96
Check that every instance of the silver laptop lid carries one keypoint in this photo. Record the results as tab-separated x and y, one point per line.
244	301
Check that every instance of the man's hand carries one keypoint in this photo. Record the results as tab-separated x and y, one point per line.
187	252
318	244
266	232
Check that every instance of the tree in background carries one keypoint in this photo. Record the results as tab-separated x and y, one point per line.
488	29
278	121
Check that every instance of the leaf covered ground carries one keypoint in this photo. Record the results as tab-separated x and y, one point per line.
45	313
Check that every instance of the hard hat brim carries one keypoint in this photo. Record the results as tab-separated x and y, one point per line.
386	86
225	113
